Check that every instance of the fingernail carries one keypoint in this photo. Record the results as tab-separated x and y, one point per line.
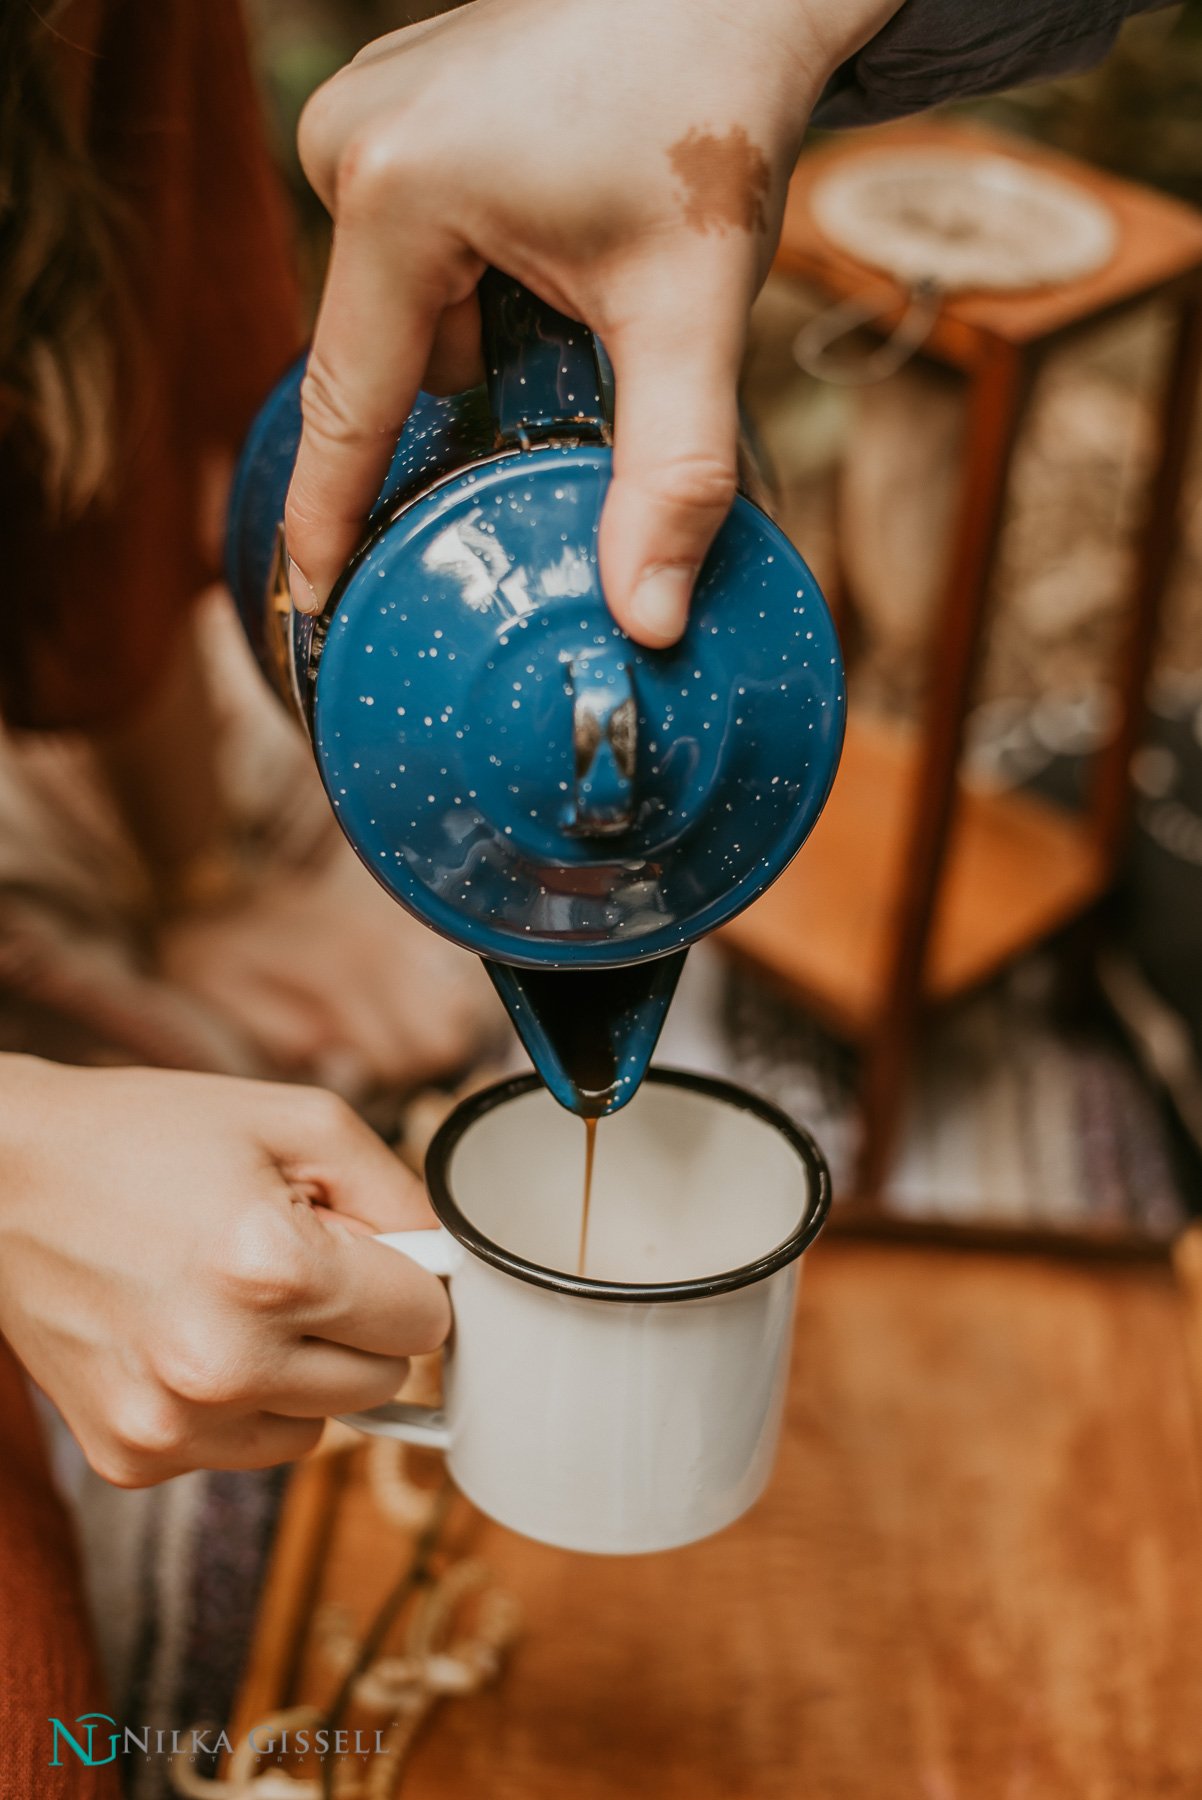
660	603
303	596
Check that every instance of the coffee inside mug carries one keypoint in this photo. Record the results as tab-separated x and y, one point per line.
688	1196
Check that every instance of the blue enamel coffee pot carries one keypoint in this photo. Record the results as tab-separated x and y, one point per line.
510	766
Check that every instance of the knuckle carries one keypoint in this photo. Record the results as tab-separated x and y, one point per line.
374	169
326	407
300	521
330	1116
119	1470
317	127
197	1368
146	1438
264	1268
695	483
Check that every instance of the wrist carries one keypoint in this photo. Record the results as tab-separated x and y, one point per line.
799	46
835	29
817	36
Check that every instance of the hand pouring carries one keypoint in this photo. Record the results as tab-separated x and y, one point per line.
505	760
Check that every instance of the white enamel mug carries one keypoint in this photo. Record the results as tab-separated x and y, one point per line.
636	1407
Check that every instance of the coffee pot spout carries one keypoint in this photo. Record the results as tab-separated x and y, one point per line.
590	1033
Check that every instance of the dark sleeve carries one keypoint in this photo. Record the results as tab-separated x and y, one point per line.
933	51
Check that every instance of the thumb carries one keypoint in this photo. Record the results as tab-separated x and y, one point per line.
378	322
355	1186
675	447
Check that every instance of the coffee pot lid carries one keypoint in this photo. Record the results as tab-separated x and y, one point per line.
510	766
523	776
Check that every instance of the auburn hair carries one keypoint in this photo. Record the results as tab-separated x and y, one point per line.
59	280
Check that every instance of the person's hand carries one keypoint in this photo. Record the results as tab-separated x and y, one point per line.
628	161
331	981
185	1265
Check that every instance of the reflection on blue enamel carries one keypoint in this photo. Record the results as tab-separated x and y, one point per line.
604	716
443	720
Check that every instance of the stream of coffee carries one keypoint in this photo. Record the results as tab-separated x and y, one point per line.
581	1012
590	1149
590	1034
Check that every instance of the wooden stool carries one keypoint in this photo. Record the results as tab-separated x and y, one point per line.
913	890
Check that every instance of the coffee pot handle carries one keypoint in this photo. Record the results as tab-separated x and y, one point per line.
438	1252
542	368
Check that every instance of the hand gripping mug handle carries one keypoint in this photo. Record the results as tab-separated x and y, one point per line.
438	1252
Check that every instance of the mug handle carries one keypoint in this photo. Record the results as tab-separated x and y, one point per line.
438	1252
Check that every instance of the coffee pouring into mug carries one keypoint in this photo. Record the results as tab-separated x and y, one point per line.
636	1408
531	783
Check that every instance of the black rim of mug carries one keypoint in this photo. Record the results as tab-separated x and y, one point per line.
469	1111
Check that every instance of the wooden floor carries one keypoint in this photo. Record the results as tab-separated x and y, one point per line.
977	1574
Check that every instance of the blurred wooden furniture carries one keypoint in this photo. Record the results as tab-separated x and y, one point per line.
910	890
977	1569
